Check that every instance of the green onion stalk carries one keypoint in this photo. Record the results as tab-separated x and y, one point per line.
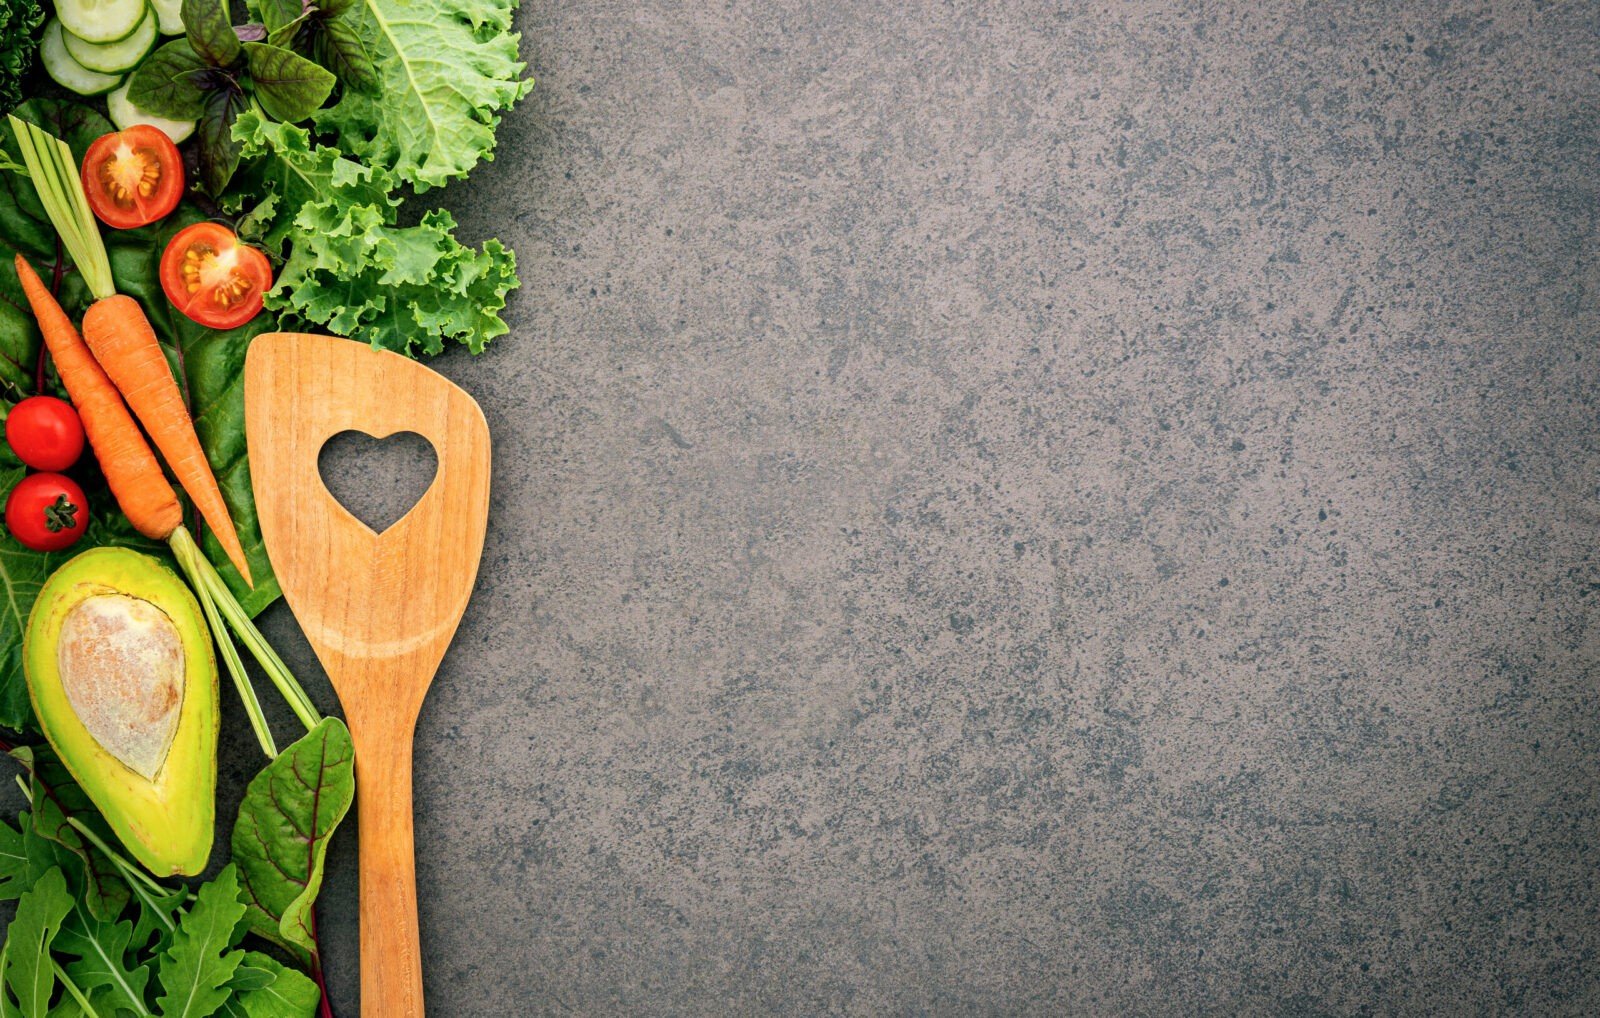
51	166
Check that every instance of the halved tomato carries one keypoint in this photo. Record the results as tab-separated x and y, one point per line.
132	177
212	277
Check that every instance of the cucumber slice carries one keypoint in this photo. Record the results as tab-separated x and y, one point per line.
100	20
67	72
170	12
125	114
115	57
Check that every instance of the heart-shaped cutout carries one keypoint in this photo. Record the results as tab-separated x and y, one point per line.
377	479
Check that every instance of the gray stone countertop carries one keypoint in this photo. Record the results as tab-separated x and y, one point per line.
1026	509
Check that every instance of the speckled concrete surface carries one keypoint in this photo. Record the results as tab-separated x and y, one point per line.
1013	510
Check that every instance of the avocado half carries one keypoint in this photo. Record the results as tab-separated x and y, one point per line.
123	681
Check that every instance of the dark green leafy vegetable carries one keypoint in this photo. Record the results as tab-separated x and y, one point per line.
19	38
210	31
281	837
264	988
288	86
57	800
102	967
210	76
28	972
320	31
171	82
195	969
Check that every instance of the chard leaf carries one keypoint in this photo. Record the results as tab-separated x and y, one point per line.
289	86
28	972
194	971
444	69
167	84
210	32
101	948
280	840
57	797
270	990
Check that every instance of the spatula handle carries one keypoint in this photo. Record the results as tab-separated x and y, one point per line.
391	948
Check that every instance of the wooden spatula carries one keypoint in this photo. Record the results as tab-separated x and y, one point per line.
379	609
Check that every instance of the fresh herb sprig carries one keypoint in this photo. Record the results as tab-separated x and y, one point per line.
212	75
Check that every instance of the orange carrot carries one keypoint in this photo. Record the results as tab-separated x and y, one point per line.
120	336
125	458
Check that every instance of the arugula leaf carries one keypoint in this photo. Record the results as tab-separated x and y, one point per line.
272	990
28	972
167	84
280	839
101	948
194	971
288	86
210	31
444	70
56	797
158	916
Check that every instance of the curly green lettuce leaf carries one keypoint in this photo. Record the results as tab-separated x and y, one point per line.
285	172
445	69
19	37
350	267
403	289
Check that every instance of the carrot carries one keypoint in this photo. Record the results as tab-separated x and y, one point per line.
125	458
120	336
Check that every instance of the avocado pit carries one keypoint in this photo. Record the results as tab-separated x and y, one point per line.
121	663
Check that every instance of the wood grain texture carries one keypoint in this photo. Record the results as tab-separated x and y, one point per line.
379	609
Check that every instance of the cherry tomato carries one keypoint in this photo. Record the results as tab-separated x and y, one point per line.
47	512
213	278
132	177
45	433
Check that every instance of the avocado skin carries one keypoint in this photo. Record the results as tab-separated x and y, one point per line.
166	822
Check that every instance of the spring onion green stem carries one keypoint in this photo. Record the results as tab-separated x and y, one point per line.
186	552
53	170
205	576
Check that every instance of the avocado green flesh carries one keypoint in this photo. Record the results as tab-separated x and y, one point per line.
123	681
